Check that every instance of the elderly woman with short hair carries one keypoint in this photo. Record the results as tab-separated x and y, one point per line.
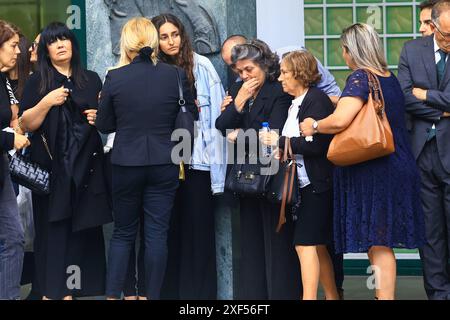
268	265
314	226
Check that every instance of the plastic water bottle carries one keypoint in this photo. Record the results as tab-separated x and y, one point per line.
266	150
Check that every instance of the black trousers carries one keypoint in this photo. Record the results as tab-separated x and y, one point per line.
191	271
135	280
436	204
269	266
152	189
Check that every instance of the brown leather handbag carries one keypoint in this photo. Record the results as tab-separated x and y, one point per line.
369	136
283	188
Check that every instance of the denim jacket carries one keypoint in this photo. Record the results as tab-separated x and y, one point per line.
209	153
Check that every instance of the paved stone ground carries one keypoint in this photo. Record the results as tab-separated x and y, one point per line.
408	288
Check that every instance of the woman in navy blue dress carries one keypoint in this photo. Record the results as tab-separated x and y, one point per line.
376	203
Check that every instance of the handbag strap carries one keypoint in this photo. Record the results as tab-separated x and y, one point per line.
376	92
181	100
292	168
46	146
288	183
286	149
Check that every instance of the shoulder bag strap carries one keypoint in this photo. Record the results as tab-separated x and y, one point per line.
376	92
181	100
282	216
46	146
292	168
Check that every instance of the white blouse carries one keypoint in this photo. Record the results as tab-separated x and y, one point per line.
291	129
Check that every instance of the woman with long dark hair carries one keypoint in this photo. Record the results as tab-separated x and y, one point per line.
18	75
192	253
59	107
11	231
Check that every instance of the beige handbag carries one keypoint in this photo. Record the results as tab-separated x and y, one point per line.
369	136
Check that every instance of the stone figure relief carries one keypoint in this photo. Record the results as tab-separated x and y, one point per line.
200	25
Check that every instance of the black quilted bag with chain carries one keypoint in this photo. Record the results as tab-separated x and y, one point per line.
30	174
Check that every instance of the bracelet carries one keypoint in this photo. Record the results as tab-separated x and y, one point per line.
19	128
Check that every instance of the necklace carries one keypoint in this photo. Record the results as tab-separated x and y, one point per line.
250	104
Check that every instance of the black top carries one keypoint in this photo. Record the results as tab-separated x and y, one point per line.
271	105
316	105
83	98
78	179
139	102
6	138
14	85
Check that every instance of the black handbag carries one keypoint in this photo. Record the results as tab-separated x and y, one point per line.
248	179
283	188
30	174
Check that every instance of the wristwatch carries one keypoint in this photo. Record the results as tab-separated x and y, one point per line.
315	125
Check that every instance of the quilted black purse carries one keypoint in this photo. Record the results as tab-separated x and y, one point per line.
248	179
30	174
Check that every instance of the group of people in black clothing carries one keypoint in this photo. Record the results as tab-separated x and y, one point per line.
370	207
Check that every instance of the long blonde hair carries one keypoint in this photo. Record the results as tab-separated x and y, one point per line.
363	45
136	34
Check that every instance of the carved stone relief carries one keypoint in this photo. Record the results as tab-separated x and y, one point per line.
199	23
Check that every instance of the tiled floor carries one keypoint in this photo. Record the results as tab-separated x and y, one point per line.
408	288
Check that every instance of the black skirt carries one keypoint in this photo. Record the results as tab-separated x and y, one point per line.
60	253
314	225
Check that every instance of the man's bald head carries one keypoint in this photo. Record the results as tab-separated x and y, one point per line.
228	45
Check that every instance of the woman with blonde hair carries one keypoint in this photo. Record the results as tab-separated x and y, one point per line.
377	202
139	102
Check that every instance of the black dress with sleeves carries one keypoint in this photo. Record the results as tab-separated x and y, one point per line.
69	221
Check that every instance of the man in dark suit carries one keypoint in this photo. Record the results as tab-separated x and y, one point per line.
425	79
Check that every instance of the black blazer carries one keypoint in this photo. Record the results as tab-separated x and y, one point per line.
417	68
139	102
6	138
316	105
271	105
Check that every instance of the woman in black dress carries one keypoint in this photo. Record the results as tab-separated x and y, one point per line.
269	266
59	107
